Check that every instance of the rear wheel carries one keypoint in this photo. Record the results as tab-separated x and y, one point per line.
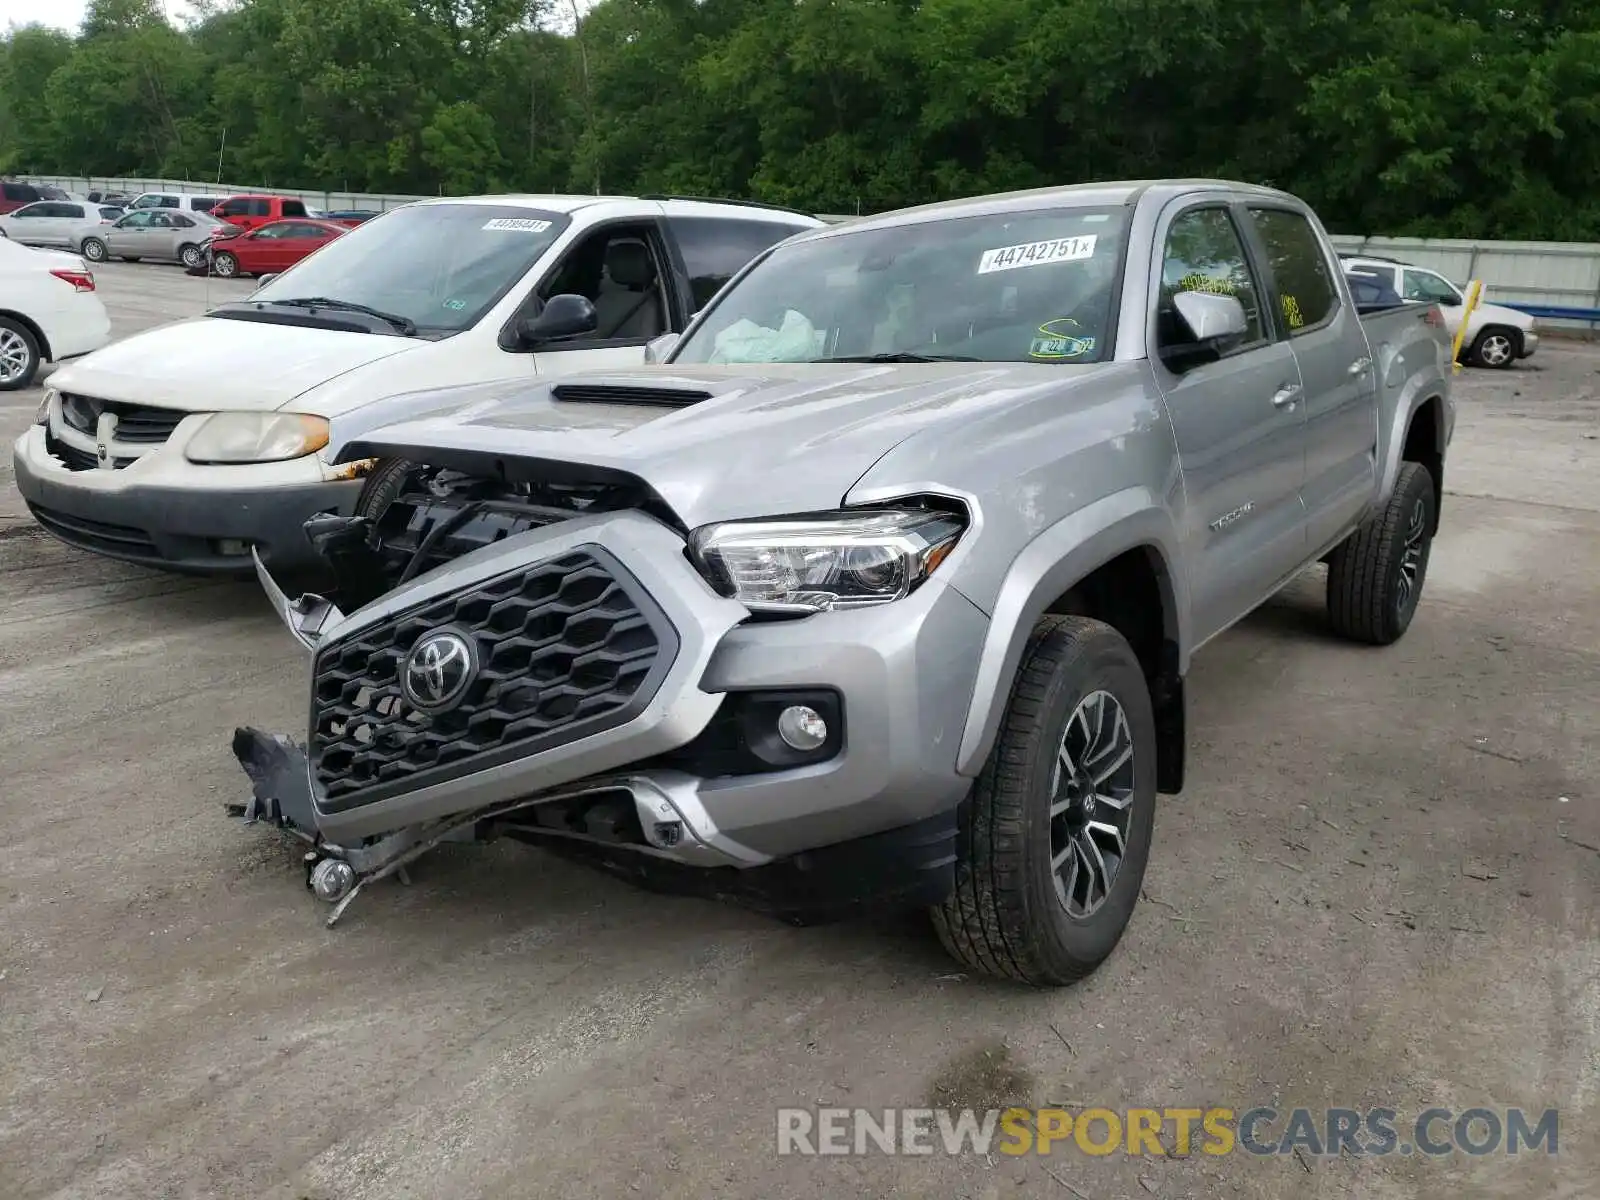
1375	576
19	355
1056	833
1496	347
191	256
93	249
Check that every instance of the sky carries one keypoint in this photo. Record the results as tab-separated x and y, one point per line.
63	14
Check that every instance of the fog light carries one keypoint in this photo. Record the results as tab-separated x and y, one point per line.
332	880
802	728
233	547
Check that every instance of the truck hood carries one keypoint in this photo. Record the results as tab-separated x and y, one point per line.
743	441
216	364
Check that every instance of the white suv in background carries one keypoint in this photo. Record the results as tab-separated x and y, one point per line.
189	445
1496	336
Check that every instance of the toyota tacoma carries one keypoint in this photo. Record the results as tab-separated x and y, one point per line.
880	584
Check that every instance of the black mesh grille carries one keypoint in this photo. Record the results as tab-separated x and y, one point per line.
566	648
135	422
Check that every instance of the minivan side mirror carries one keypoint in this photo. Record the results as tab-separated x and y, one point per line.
564	316
657	348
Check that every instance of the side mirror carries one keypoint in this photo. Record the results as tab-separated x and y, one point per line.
1213	321
657	348
563	316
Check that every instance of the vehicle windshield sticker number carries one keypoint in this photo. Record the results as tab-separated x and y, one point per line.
455	305
1038	254
1054	341
518	224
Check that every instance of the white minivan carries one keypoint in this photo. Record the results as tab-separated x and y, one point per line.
190	444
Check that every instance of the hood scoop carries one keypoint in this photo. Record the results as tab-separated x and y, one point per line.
616	393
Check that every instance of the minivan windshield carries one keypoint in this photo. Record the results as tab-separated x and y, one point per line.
1031	286
442	266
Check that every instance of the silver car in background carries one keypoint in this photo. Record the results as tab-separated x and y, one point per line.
56	222
154	233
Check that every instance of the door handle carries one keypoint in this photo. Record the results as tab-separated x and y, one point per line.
1285	396
1360	365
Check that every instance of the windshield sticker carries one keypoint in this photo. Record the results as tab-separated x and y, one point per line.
455	305
1291	312
1055	342
1038	254
1195	282
518	224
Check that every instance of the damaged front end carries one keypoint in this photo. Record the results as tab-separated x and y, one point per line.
490	649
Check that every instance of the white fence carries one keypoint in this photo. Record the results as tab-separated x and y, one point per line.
1536	274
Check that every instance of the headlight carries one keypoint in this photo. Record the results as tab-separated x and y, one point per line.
833	560
241	437
42	417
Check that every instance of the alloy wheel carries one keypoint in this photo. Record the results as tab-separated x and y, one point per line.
1091	804
1413	557
15	356
1495	350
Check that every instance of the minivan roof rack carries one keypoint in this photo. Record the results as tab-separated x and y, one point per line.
726	200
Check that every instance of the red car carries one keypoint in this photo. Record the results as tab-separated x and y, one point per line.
271	248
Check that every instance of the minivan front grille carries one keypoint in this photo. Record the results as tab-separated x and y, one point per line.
136	423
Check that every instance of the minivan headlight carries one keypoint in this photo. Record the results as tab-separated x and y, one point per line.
243	437
831	560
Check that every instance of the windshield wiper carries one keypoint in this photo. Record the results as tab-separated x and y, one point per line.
897	357
404	324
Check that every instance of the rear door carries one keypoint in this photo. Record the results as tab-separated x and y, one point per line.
1237	418
1336	369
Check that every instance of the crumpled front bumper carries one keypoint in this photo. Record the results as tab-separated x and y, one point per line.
904	673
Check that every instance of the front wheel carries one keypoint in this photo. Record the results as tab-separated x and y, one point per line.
93	249
1496	348
1375	576
1056	833
224	264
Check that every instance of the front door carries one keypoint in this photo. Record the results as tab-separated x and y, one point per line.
128	238
1239	422
1336	368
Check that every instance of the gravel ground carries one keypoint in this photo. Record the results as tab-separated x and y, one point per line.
1378	889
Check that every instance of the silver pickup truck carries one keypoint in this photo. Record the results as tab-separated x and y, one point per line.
881	585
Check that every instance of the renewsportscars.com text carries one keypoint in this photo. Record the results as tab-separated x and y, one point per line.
1433	1132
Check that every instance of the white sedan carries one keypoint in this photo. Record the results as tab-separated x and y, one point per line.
48	312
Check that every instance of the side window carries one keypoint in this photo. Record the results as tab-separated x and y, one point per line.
183	222
160	220
259	208
168	202
73	210
1428	287
618	268
1306	290
1204	254
110	214
294	208
231	208
32	210
19	191
714	248
202	203
135	220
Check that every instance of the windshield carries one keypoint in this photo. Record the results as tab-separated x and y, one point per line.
440	265
1012	287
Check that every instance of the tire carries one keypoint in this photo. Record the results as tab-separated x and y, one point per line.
1375	576
1008	914
19	355
190	256
94	250
1496	347
383	484
224	265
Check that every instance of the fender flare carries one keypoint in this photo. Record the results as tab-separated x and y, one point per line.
1063	554
1405	413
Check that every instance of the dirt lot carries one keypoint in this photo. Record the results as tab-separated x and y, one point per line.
1379	889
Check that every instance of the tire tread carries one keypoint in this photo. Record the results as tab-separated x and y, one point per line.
1361	568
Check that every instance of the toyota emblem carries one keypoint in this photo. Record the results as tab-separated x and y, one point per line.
438	670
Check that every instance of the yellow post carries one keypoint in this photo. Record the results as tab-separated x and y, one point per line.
1474	292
